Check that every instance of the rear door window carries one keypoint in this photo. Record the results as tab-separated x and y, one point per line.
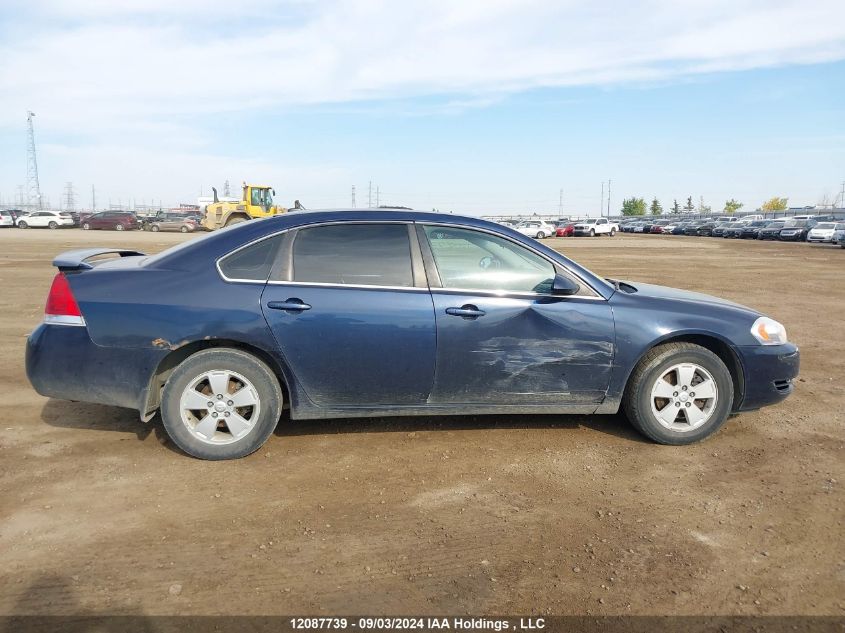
253	262
353	254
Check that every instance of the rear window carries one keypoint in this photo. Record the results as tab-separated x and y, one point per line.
353	254
252	263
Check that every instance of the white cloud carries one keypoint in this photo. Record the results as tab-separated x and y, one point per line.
101	69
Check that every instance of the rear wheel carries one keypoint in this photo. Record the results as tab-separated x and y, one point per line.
53	225
221	404
235	220
85	226
540	235
23	225
184	229
679	393
612	232
592	232
118	227
155	228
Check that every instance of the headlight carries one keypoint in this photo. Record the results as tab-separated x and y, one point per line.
768	331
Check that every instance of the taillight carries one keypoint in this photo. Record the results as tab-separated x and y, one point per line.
62	308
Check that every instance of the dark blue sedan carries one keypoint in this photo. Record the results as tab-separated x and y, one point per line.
362	313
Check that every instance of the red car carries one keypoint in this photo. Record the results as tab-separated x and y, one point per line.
111	220
565	230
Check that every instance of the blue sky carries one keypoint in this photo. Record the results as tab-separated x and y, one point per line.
477	107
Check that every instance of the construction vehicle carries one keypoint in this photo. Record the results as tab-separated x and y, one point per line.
257	202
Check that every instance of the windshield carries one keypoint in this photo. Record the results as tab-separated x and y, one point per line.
825	225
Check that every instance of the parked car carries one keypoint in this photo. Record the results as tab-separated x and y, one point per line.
749	230
7	218
659	226
771	231
628	227
839	237
45	219
706	229
171	222
565	230
116	220
796	230
642	227
719	229
823	231
537	229
479	320
595	226
692	227
681	228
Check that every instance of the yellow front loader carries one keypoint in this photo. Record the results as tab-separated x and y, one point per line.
257	202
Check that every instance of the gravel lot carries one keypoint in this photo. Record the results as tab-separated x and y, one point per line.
484	515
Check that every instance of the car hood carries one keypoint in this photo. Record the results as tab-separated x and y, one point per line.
676	294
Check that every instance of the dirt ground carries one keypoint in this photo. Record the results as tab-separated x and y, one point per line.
99	514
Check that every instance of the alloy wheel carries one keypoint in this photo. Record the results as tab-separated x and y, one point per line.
684	397
220	407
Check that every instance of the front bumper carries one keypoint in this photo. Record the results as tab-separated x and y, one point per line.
797	237
769	372
63	362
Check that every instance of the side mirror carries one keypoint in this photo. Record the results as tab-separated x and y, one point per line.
564	286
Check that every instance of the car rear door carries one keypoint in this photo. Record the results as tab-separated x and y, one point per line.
502	338
352	315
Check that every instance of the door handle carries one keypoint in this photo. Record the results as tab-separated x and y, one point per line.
467	312
290	305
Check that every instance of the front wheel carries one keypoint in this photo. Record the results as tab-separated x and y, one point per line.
592	232
53	225
154	228
118	227
184	229
540	235
612	232
23	225
679	393
221	404
86	226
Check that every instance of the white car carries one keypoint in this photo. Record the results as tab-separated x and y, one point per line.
7	218
48	219
823	231
597	226
536	229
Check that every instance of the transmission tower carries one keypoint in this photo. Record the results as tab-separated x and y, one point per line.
353	196
33	188
226	189
70	197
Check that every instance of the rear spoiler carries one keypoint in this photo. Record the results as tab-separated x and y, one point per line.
75	260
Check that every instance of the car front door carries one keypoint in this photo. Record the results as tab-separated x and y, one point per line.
352	315
502	337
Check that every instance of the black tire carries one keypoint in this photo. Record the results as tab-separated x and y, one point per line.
235	220
251	368
154	228
637	399
184	229
612	232
23	225
52	225
540	235
86	226
118	227
592	232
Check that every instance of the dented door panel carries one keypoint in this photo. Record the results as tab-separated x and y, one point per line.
522	350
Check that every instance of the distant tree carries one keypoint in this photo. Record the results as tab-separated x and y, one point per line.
703	208
732	206
656	209
633	206
675	207
689	207
775	204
